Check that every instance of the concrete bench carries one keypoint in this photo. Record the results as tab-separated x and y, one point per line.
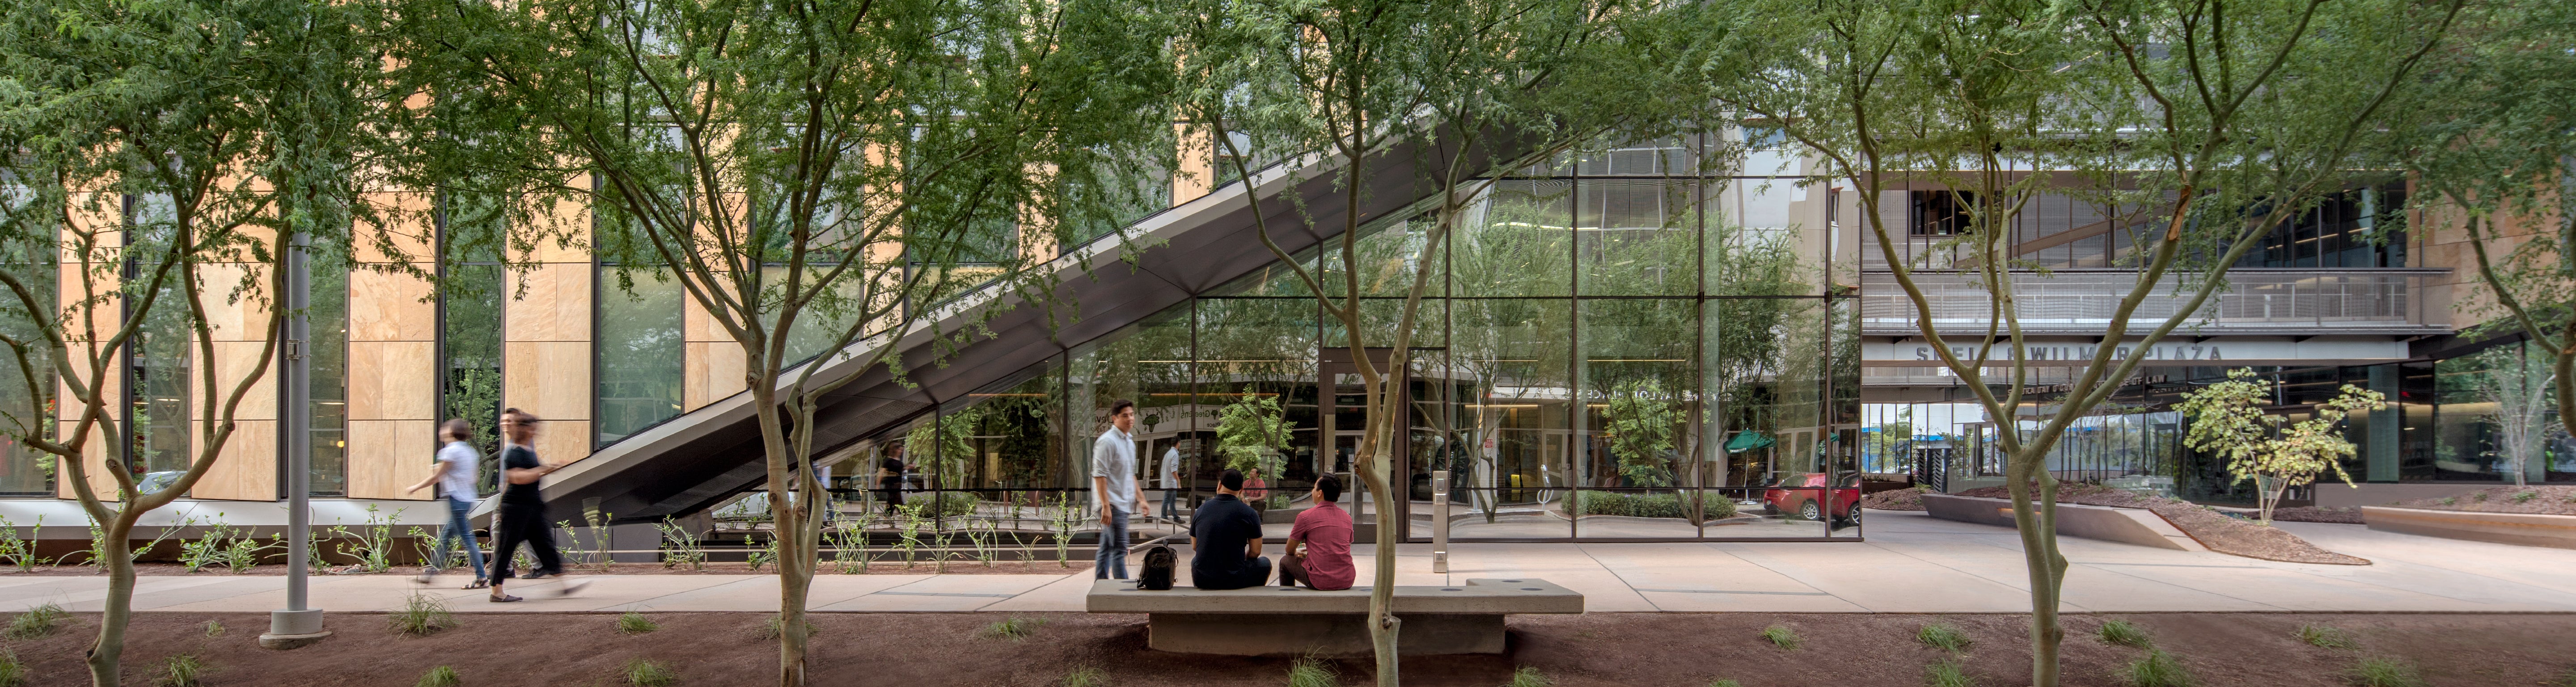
1283	621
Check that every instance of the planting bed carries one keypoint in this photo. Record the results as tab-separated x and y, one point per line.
1597	649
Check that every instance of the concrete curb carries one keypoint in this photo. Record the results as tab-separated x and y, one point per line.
2521	529
2124	525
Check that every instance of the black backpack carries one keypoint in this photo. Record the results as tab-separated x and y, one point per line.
1157	574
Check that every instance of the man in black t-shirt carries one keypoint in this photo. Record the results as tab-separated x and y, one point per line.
522	516
1225	536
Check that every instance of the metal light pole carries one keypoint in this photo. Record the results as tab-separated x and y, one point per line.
296	625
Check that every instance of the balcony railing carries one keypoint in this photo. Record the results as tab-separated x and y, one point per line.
2256	301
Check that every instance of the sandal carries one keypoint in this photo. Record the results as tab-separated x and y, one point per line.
504	598
479	583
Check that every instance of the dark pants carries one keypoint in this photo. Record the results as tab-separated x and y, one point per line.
1252	574
893	491
1292	570
523	523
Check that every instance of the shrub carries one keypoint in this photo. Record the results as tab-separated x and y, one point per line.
1944	636
1528	676
1781	636
2325	636
643	673
1312	672
1086	676
1947	673
182	671
2380	671
1672	506
214	628
634	623
442	676
2450	500
2158	669
36	622
2124	634
13	673
1724	683
2525	496
422	616
1014	629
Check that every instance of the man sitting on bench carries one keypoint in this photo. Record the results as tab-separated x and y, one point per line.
1226	537
1319	547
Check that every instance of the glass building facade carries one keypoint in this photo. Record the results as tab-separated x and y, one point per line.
1618	346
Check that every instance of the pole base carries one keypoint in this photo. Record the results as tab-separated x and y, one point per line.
288	629
285	642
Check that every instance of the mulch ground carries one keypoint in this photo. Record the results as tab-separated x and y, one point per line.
2339	516
2532	499
1600	649
2214	529
1909	498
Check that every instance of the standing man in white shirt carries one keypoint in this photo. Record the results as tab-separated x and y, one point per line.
1114	486
1171	480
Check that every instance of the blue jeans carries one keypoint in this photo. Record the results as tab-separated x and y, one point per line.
1170	512
458	528
1111	562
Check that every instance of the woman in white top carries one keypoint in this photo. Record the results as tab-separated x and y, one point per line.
454	475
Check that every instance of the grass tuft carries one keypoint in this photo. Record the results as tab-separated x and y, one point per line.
2380	671
422	616
1014	629
1781	636
1947	673
36	622
1944	636
1086	676
13	672
1528	676
1312	672
2326	636
182	671
442	676
2159	669
770	630
214	628
2525	496
1724	683
2124	634
643	673
634	623
2566	679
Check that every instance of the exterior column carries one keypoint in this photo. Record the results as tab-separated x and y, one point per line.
546	335
393	360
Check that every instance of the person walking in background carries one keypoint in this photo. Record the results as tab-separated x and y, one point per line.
454	475
890	481
1225	540
1319	545
1171	481
1114	486
1254	488
522	517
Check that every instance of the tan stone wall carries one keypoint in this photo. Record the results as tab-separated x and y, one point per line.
393	359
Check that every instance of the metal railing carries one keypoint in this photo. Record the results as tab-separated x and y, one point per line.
2299	301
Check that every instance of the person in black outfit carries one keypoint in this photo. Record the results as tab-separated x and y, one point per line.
890	481
1226	538
522	517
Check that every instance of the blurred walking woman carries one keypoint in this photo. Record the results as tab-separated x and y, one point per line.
523	510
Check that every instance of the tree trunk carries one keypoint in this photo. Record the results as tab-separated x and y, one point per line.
2038	529
795	577
116	555
1383	625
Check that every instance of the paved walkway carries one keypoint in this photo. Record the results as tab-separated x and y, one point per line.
1911	564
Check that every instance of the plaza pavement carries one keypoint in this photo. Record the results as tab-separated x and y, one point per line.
1910	564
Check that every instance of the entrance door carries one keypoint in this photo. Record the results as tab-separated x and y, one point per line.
1343	406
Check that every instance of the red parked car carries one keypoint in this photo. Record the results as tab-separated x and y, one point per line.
1784	498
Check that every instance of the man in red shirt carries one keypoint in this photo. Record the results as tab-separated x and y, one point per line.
1319	546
